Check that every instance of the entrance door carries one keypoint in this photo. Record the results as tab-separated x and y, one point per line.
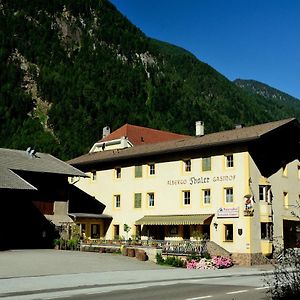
116	232
186	232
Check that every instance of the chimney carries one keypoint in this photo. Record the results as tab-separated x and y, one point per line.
106	131
199	128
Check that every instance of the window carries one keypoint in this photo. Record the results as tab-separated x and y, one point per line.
228	232
299	172
118	172
94	175
187	165
137	200
138	171
173	229
285	171
229	160
206	196
206	163
266	231
151	169
265	193
151	199
228	195
117	201
186	197
286	199
95	231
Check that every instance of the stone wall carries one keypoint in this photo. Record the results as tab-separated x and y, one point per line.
216	250
248	259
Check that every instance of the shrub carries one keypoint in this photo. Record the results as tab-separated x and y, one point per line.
193	256
170	261
159	259
285	280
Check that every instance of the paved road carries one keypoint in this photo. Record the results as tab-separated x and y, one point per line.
49	274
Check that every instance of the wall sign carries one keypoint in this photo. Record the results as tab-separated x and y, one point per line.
200	180
228	212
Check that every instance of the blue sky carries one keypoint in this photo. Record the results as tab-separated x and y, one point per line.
248	39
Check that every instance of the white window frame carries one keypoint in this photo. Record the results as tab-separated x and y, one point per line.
206	196
228	195
187	165
118	172
186	197
264	193
229	161
151	200
117	199
151	169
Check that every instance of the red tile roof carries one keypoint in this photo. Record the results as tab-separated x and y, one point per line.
138	135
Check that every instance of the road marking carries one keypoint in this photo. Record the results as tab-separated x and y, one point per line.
237	292
196	298
262	288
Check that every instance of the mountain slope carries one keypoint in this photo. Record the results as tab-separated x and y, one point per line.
69	68
284	100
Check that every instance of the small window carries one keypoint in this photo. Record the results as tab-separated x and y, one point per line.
138	171
229	161
151	169
206	196
286	199
228	195
117	201
299	172
95	231
266	231
206	163
94	175
151	199
285	171
265	193
228	232
186	197
118	172
187	165
137	200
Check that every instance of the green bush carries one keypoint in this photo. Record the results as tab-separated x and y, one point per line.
159	259
170	261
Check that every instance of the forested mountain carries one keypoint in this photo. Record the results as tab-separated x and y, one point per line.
69	68
287	102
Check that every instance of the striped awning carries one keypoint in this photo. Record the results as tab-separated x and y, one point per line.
174	219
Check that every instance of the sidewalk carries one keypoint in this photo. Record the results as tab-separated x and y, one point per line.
50	270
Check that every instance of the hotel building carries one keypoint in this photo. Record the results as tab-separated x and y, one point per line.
240	188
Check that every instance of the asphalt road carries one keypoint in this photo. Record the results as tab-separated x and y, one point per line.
186	291
48	274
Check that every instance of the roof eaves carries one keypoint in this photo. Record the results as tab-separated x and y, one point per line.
166	151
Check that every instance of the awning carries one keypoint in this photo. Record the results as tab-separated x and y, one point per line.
173	219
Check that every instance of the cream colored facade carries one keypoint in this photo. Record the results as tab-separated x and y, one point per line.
233	173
